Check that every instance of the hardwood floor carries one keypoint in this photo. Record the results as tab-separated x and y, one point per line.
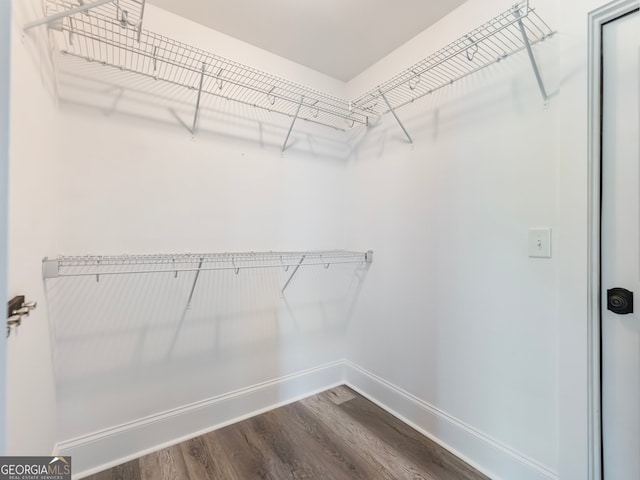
337	434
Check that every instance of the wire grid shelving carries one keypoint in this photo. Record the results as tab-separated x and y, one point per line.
99	36
490	43
112	35
99	265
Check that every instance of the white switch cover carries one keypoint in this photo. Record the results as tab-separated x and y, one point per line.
540	242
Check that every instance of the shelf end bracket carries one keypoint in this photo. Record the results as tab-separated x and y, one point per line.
66	13
396	116
50	268
532	58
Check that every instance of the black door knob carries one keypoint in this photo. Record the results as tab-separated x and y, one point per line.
620	301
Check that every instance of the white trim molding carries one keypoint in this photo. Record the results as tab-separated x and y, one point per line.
486	454
597	18
115	445
107	448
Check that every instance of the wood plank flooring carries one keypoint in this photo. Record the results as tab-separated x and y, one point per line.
337	434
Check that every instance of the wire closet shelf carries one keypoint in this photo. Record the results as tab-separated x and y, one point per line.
99	265
98	36
510	32
110	33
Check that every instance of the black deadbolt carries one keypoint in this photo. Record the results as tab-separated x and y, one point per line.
620	301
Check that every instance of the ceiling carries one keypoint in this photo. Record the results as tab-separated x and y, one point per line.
340	38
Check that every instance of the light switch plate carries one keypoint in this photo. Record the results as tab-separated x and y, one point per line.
540	242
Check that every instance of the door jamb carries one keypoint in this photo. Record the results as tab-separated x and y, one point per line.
597	19
5	66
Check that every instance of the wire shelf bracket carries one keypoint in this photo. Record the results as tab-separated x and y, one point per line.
193	286
532	58
293	122
292	275
195	116
396	117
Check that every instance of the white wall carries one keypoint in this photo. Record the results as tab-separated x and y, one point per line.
31	417
474	327
469	319
5	42
478	329
129	178
167	193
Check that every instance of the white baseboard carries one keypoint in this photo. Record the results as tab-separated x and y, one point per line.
107	448
113	446
484	453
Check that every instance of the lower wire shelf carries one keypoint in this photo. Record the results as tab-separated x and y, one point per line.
99	265
96	265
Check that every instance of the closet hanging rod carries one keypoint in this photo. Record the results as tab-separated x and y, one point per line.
98	266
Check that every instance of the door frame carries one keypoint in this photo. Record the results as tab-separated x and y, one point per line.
597	19
5	67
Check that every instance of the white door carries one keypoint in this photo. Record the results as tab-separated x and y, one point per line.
621	248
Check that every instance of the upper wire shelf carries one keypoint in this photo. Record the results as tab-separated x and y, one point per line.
99	36
510	32
110	32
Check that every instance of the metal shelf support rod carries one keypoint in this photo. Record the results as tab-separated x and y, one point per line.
534	64
396	117
195	282
195	117
144	3
292	275
61	15
286	140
